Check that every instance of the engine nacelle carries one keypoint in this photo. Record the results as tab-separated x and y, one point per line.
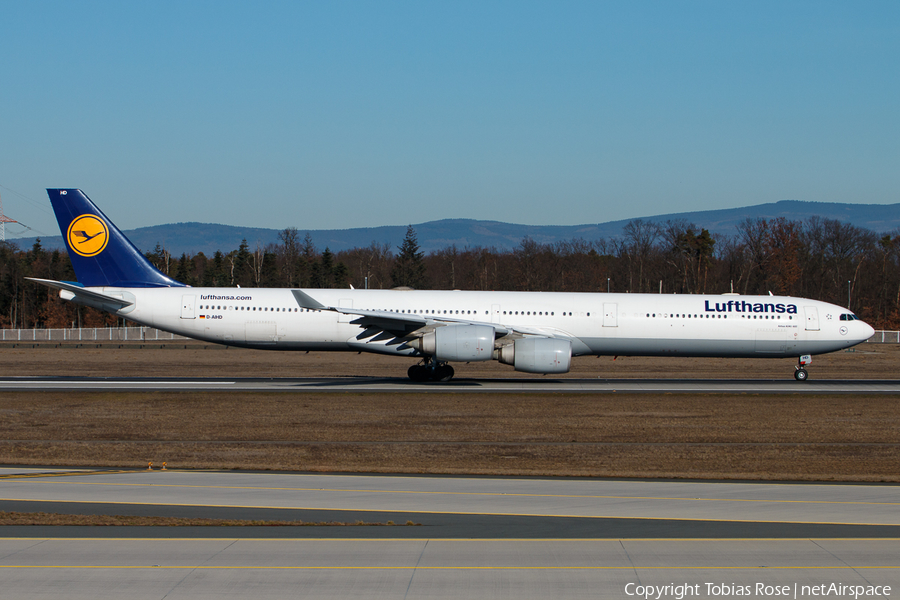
461	343
537	355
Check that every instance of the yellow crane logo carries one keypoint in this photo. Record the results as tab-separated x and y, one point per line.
87	235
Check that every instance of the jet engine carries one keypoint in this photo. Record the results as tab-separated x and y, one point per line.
461	343
537	355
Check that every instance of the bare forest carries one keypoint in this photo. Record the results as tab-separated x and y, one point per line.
818	258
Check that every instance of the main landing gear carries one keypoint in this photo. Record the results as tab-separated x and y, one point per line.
430	370
800	373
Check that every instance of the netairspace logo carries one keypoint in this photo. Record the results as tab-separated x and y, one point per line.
760	590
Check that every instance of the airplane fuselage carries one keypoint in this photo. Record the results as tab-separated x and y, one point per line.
596	324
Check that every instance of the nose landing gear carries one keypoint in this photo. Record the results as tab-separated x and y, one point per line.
800	374
430	370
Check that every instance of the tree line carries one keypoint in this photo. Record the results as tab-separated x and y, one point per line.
817	258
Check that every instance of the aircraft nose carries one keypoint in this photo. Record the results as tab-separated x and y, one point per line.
867	331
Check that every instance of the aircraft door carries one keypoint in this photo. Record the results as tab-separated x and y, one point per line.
187	307
610	314
812	318
495	313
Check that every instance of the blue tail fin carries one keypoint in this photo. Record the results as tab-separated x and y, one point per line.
101	255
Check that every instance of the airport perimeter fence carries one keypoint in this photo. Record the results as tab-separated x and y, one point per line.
89	334
884	337
149	334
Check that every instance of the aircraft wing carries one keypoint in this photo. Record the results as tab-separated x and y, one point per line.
400	324
91	297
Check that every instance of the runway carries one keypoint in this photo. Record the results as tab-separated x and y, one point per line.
693	533
396	385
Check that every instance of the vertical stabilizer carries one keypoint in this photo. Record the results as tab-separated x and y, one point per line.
101	254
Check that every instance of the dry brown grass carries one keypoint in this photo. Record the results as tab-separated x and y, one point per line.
809	437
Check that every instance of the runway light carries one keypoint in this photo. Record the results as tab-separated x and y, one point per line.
164	466
150	466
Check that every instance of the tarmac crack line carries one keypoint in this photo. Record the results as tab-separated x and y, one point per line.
842	561
17	551
630	562
415	568
191	571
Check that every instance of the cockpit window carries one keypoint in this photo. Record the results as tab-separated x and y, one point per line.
849	317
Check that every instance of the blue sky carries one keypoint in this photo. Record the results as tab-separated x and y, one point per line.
347	114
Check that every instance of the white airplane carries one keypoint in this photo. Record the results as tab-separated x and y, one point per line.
535	332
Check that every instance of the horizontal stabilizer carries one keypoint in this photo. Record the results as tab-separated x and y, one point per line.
91	296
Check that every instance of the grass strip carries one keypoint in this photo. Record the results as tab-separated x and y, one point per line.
810	437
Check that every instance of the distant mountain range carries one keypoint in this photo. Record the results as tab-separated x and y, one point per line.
191	238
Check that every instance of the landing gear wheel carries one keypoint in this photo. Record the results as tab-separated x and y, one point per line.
443	373
430	370
418	373
801	374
